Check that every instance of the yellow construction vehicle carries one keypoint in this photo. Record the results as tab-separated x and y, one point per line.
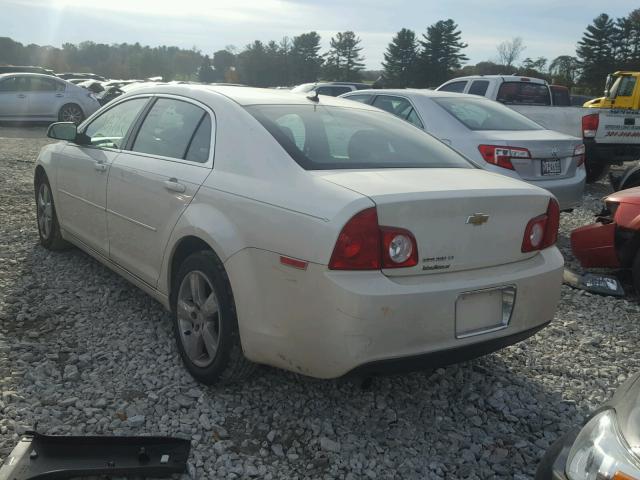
622	91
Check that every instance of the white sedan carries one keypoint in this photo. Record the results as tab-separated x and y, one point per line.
36	97
494	136
316	234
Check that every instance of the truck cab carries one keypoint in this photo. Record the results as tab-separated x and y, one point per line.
621	91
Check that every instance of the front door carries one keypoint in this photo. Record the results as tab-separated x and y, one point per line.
83	171
45	96
14	100
151	185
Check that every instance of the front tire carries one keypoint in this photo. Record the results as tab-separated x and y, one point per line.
71	113
47	218
205	321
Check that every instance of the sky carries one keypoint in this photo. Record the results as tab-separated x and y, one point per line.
548	27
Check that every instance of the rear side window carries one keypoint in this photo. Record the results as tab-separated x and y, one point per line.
168	128
201	142
523	93
400	107
453	87
112	126
479	87
479	114
39	84
362	98
352	138
332	91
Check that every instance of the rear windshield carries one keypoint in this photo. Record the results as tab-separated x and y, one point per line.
524	93
326	138
478	114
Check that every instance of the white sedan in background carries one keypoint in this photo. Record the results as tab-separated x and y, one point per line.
36	97
317	235
494	136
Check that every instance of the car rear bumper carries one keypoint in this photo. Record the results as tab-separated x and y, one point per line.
326	323
568	191
594	245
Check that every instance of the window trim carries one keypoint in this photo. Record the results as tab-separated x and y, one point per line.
138	124
375	97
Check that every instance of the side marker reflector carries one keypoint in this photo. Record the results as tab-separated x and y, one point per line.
292	262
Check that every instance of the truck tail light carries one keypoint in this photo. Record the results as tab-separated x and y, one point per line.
579	152
364	245
590	125
542	231
501	156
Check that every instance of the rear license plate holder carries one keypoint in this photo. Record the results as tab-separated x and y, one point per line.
550	167
484	311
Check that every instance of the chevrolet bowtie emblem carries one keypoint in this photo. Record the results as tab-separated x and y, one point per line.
477	219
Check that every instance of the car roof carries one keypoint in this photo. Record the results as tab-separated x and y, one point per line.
411	92
30	74
244	96
506	78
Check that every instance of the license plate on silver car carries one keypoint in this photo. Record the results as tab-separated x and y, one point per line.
551	166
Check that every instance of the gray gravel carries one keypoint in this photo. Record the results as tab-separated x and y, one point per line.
84	352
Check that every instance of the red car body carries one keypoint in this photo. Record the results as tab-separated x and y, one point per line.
614	240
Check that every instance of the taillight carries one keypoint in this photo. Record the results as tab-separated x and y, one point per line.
399	248
501	156
590	125
365	245
579	152
542	231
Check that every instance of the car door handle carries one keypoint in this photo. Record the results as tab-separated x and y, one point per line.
173	185
101	166
22	95
59	95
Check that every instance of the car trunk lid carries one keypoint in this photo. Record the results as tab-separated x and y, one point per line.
462	219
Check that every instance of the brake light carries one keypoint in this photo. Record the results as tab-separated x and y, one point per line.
590	125
579	152
542	231
501	156
365	245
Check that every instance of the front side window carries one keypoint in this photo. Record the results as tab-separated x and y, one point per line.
479	87
15	84
201	143
478	114
524	93
623	87
168	128
453	87
351	138
110	128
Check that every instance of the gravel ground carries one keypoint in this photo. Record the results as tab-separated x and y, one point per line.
84	352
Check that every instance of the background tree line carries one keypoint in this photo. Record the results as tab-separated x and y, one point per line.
410	60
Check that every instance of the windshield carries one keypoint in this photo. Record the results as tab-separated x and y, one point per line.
326	138
478	114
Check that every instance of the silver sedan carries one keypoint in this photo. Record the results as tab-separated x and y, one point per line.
493	136
37	97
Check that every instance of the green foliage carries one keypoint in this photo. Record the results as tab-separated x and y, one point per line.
441	53
205	72
343	61
400	60
305	59
564	70
596	52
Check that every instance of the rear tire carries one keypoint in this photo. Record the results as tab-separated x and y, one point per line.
205	322
71	113
595	170
47	218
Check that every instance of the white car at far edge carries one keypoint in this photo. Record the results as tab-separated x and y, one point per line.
317	235
497	138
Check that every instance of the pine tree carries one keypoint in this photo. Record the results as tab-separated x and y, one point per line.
400	60
343	61
206	73
627	42
306	61
596	52
441	52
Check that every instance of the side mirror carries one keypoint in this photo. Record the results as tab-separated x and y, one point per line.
63	131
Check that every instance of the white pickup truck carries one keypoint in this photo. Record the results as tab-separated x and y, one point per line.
611	136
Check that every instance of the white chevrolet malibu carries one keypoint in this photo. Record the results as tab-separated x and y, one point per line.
315	234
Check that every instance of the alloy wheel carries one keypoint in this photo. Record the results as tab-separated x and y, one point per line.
45	211
71	113
198	313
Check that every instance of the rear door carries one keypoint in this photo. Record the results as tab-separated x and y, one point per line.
152	183
83	171
46	96
14	96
